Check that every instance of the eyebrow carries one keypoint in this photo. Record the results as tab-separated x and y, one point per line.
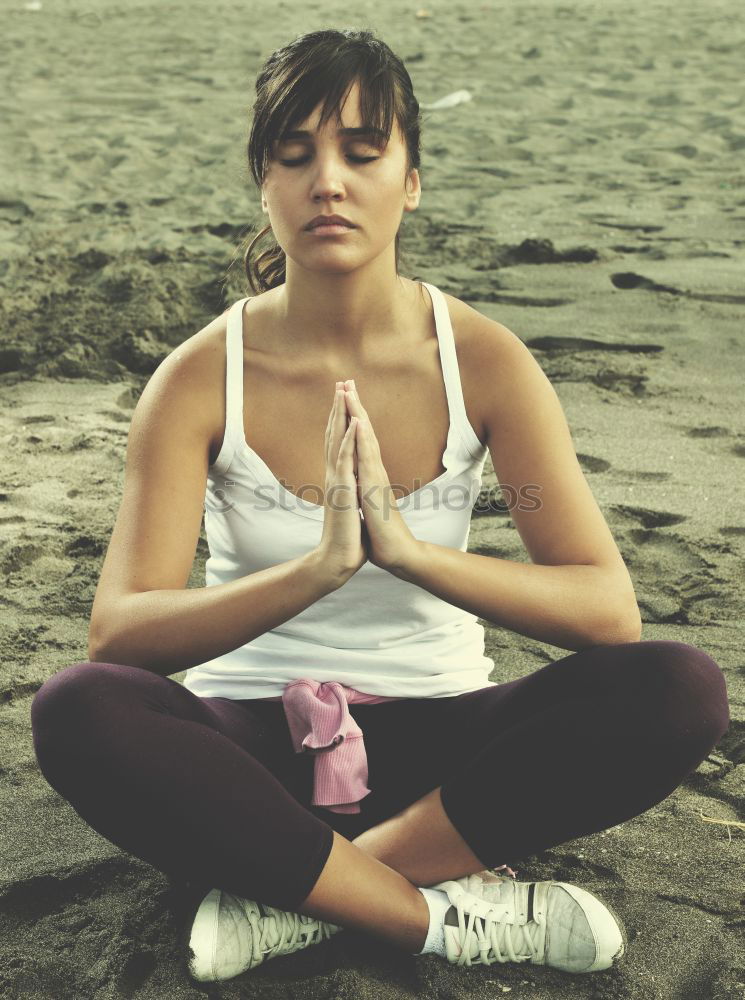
363	130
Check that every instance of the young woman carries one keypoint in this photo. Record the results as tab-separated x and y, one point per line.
342	603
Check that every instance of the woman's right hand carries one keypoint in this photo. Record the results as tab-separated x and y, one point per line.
341	549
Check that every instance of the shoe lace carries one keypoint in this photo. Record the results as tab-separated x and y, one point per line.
280	932
498	940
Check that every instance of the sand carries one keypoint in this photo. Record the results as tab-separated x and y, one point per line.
591	197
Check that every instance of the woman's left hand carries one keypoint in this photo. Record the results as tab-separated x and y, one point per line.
386	535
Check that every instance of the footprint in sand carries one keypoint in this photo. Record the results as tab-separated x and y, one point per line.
590	463
19	556
625	280
582	359
648	518
708	432
674	583
645	476
550	343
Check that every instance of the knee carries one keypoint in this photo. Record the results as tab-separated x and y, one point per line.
684	691
63	700
63	688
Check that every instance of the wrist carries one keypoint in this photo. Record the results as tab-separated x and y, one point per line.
329	575
406	567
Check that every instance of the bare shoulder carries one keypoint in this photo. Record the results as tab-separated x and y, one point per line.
195	374
204	351
479	333
484	349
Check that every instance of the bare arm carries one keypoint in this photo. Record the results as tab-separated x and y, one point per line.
142	614
570	606
166	631
578	591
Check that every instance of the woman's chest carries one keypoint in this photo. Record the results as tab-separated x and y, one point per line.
286	408
285	416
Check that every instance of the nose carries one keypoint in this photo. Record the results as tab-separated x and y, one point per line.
327	181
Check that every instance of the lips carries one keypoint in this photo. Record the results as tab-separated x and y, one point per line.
329	220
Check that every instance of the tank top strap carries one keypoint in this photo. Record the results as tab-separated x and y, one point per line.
451	374
234	433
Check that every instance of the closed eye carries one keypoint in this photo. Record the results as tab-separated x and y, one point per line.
304	159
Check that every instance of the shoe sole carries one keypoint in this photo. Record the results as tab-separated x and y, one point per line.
624	937
202	939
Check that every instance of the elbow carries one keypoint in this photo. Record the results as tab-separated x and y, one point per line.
98	651
98	654
632	621
624	626
629	632
94	649
105	633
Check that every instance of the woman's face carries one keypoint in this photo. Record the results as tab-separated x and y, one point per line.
349	175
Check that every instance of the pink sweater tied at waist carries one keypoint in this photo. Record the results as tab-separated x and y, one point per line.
320	723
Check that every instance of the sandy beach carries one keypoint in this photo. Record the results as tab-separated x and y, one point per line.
591	197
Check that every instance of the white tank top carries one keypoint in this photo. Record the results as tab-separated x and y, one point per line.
377	634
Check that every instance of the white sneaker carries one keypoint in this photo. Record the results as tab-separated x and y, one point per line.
546	923
230	935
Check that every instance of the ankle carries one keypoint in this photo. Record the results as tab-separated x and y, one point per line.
438	904
420	933
357	891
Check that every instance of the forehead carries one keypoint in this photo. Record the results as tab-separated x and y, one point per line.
350	124
350	112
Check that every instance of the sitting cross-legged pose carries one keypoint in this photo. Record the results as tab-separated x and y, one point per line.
336	755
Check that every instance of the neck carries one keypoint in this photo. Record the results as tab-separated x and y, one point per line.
344	316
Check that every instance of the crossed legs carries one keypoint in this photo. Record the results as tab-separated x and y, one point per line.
579	745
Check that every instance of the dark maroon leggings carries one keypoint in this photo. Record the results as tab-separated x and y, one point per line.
209	790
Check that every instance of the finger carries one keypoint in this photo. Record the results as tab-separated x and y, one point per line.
332	412
370	444
347	444
333	429
331	415
341	413
341	426
353	404
354	401
327	433
365	446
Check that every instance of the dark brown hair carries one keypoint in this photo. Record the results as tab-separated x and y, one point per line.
322	66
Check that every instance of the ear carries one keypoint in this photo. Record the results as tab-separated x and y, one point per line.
413	191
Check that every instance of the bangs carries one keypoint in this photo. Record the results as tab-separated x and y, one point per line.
298	92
